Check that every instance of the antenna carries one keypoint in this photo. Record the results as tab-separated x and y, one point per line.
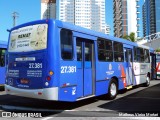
15	15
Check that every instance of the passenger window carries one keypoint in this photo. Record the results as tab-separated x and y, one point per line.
135	55
139	54
88	51
118	52
105	52
66	44
146	56
79	50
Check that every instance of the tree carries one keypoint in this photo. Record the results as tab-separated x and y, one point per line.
130	37
158	50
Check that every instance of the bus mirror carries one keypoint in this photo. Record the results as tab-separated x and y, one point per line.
8	30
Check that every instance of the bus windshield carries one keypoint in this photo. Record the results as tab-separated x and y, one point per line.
29	38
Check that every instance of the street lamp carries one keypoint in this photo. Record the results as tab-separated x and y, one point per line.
15	15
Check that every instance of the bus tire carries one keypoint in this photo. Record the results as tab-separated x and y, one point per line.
147	80
113	89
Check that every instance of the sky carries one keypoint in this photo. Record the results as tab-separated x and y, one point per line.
109	15
29	10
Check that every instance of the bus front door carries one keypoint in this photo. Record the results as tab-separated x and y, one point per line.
85	67
129	66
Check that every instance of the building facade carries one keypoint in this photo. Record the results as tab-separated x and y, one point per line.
151	17
120	18
126	17
144	19
157	13
85	13
48	9
108	29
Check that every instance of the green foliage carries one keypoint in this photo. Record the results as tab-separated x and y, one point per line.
130	37
125	37
158	50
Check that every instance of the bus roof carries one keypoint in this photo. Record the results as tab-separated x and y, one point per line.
97	34
83	30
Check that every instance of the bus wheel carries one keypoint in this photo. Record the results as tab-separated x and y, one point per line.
112	90
147	81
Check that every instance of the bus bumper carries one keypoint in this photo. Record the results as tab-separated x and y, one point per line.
46	93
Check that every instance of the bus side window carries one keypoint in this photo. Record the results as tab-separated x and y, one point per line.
135	54
2	57
118	52
105	52
146	56
79	50
138	55
66	44
141	55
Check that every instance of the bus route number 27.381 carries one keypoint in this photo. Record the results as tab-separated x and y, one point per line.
35	65
68	69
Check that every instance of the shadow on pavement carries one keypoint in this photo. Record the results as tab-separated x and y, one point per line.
144	101
30	105
147	100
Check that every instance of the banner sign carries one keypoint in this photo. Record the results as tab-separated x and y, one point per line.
29	38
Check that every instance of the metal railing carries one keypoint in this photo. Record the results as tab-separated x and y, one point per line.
149	38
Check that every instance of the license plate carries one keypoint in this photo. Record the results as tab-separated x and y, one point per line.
24	81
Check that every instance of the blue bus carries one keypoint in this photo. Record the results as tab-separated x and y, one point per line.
3	48
55	60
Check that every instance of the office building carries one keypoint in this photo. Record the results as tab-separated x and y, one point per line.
85	13
48	9
144	20
151	17
126	17
107	29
